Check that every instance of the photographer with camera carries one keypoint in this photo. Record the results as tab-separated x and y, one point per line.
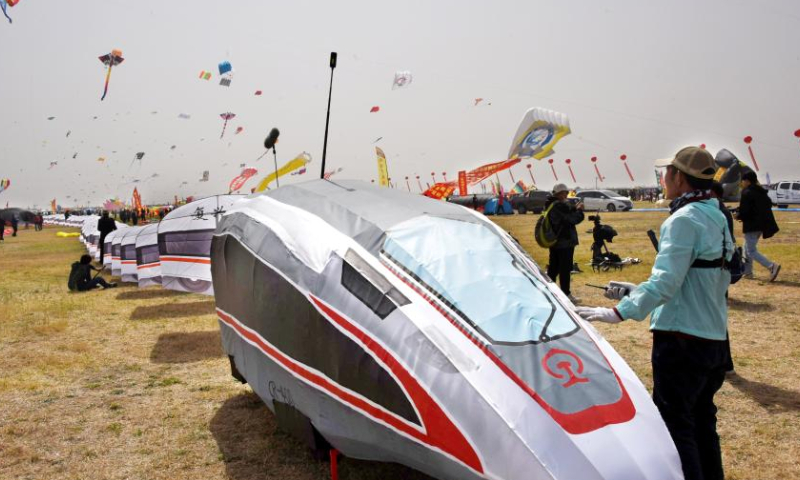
563	217
685	298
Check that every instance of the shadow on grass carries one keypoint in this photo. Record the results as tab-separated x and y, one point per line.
253	447
186	347
768	396
149	294
173	310
735	304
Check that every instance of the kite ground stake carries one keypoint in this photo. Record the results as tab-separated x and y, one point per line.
334	464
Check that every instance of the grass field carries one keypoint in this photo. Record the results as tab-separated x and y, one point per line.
132	383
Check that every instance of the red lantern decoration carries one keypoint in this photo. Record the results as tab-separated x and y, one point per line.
571	173
624	157
703	146
533	180
597	170
553	168
797	133
747	141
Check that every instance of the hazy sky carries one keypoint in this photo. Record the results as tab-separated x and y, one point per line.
637	77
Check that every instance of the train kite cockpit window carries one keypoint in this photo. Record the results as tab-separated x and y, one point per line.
515	291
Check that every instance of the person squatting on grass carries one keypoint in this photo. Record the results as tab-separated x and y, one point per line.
755	213
685	298
80	277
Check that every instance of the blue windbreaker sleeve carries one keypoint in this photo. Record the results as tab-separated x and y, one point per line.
675	256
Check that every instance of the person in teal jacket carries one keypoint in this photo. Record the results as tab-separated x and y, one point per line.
685	299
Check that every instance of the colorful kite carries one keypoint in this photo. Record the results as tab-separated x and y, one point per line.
296	163
226	116
4	182
375	109
239	130
110	60
205	75
330	173
539	130
238	182
258	93
477	101
139	156
225	67
402	79
11	3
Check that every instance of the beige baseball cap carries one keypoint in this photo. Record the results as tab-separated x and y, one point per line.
693	161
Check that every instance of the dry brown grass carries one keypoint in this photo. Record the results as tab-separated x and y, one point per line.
131	383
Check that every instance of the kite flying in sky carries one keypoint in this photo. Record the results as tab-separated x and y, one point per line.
225	116
239	130
375	109
110	60
402	79
139	156
539	130
11	3
238	182
4	183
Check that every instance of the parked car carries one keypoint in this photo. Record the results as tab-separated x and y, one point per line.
531	201
604	200
784	193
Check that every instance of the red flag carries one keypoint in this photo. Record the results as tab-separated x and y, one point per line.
462	182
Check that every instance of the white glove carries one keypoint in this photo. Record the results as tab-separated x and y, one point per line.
618	290
601	314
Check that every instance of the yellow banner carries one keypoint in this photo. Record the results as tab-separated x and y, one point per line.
297	163
383	169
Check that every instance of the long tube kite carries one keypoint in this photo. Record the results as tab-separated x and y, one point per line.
110	60
226	116
297	163
11	3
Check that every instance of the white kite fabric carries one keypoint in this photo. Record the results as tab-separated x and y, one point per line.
470	363
148	263
539	130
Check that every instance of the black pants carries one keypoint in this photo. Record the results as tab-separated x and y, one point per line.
102	245
687	373
92	284
561	266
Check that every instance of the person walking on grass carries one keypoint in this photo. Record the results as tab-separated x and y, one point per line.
80	276
755	213
563	217
685	298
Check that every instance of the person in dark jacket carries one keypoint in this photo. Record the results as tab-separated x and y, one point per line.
563	217
80	276
105	226
755	213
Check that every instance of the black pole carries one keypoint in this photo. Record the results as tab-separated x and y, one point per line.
275	158
328	117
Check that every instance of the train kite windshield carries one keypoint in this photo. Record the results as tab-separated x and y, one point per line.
468	266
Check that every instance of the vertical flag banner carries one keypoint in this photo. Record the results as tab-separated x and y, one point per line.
462	182
383	169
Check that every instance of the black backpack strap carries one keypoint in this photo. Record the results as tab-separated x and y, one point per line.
717	262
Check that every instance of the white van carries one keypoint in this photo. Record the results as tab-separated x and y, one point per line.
784	193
